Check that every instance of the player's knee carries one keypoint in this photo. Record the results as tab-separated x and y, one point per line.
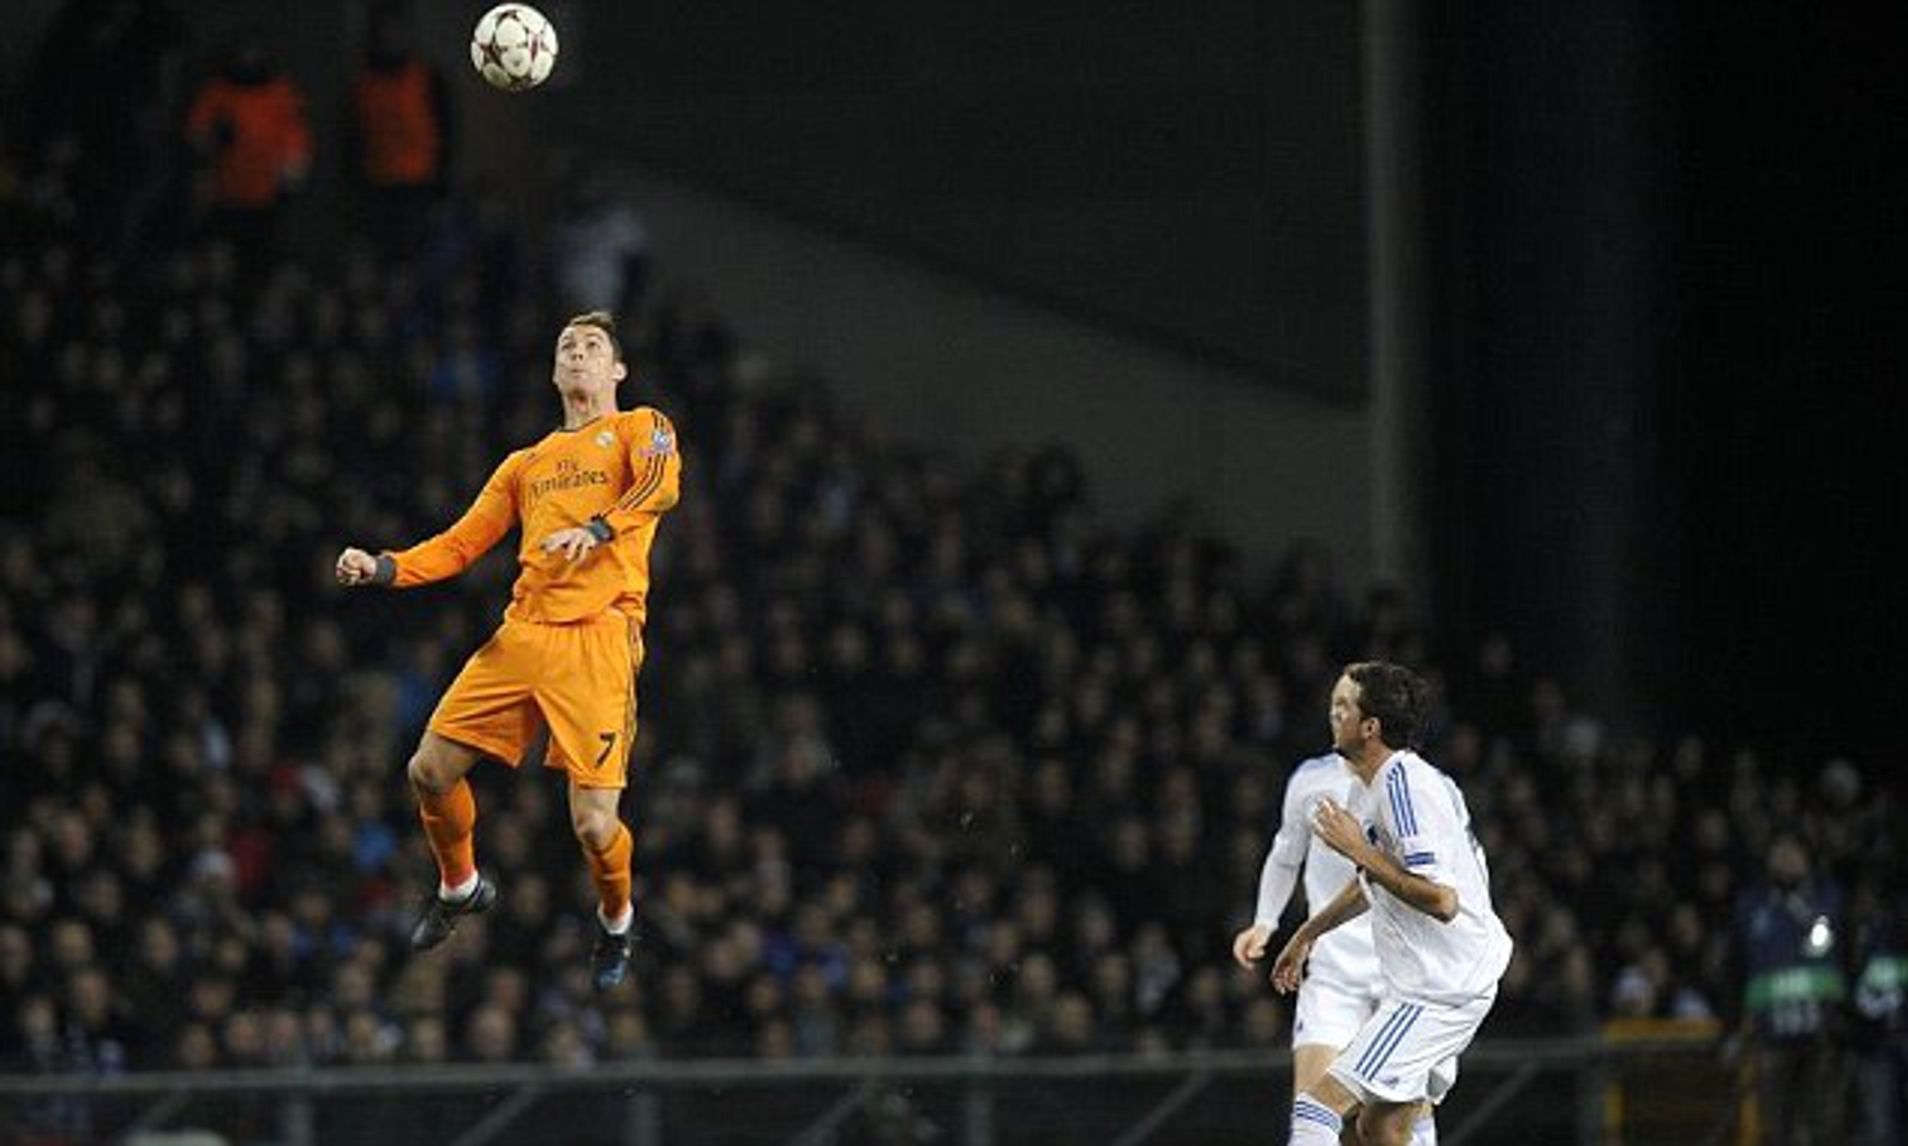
595	828
430	775
1380	1127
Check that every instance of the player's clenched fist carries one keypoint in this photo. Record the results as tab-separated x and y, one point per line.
356	567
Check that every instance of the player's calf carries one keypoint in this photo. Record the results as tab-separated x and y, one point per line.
1420	1128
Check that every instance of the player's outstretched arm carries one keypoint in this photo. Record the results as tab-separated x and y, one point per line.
448	554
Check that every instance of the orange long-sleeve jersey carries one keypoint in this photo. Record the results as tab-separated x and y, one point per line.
623	469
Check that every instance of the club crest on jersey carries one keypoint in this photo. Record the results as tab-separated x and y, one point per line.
605	439
662	443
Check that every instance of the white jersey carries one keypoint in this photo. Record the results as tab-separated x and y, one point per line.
1345	955
1415	813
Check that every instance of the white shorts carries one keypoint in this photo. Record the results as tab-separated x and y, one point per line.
1409	1051
1331	1013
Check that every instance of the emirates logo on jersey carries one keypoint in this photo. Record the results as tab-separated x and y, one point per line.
569	475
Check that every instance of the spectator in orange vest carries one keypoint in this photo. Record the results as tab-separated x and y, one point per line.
400	121
248	129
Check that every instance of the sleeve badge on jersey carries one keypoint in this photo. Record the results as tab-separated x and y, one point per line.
662	443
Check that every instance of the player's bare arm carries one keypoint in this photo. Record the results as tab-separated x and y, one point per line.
1341	831
1289	967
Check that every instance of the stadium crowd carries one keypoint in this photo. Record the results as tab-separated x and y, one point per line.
933	758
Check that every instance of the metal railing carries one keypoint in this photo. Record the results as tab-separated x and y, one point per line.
1549	1090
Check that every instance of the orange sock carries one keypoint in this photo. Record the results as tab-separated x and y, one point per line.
450	822
609	871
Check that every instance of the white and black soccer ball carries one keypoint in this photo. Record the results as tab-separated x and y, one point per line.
514	47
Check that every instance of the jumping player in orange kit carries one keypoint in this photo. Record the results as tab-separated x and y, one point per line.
588	497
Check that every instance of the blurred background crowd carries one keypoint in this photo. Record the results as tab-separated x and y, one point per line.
933	758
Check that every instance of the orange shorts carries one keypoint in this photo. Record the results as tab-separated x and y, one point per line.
578	680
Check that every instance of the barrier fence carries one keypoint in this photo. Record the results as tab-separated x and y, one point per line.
1620	1092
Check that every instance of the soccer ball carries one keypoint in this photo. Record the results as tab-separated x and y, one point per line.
514	47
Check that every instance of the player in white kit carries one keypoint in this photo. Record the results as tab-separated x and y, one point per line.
1441	948
1342	987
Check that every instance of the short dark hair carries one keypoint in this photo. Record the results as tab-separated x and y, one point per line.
1397	698
604	321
